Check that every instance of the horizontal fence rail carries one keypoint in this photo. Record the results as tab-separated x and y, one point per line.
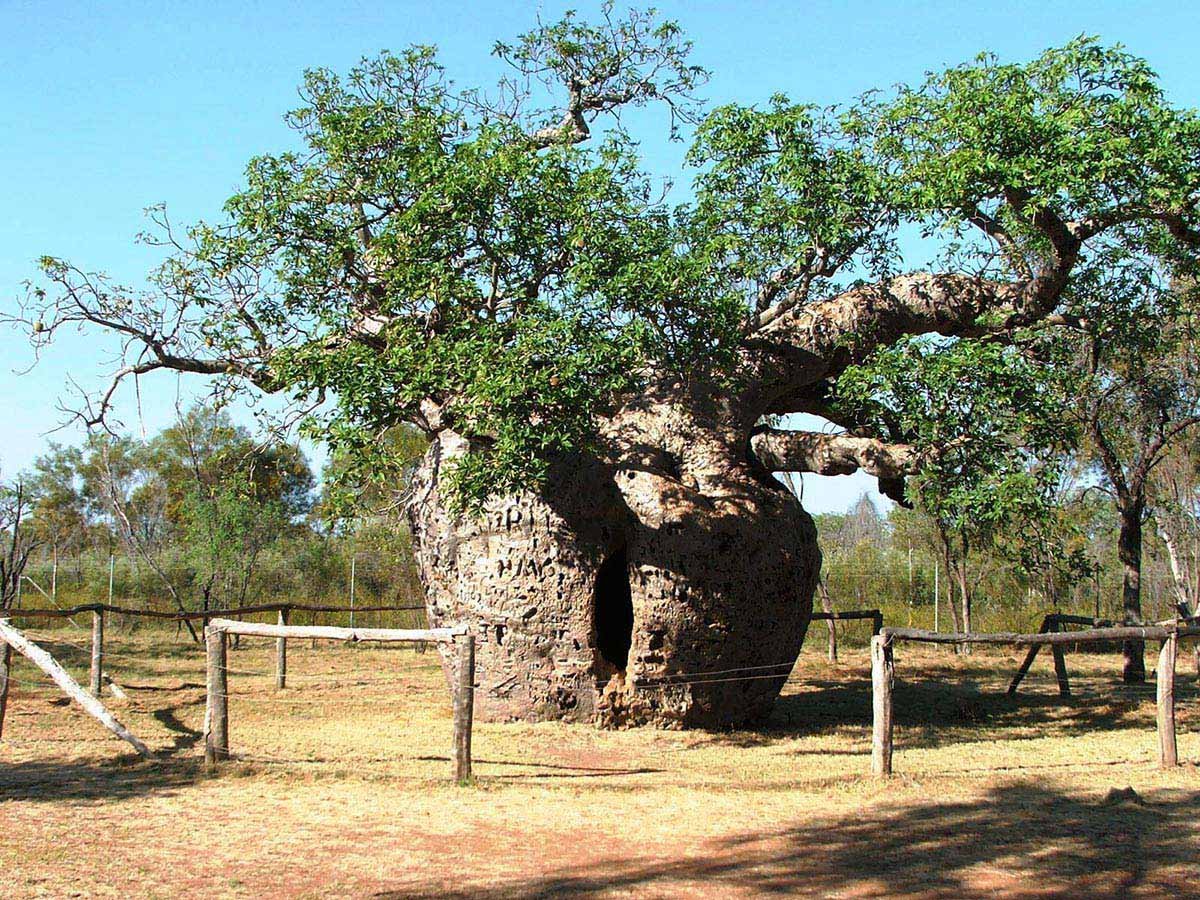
1090	636
334	633
848	614
200	614
216	638
883	672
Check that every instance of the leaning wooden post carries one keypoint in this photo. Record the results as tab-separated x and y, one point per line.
281	655
58	674
1168	756
882	673
1060	663
97	651
464	706
216	713
1029	658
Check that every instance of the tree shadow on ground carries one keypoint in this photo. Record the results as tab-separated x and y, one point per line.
543	770
1019	840
939	709
122	778
183	736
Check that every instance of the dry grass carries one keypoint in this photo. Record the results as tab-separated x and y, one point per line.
343	788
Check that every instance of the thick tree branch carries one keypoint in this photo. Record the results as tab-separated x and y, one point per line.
832	454
819	340
1174	220
837	454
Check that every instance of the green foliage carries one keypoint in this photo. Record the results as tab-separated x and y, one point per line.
788	185
1081	131
993	433
363	483
202	500
529	287
474	253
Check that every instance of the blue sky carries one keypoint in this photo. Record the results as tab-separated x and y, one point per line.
107	108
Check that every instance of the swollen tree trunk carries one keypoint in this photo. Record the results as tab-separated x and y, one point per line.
1129	551
667	579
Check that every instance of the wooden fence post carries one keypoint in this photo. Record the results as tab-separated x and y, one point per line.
281	655
97	651
216	714
882	674
464	707
5	667
1167	752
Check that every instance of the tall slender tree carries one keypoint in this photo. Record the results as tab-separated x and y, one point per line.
1137	394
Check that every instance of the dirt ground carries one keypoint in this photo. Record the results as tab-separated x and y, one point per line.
342	787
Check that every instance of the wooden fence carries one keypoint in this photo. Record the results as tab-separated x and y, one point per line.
217	630
100	610
883	673
216	637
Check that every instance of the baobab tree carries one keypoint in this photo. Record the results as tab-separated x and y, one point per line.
592	365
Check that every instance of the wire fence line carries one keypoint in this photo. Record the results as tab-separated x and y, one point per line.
198	615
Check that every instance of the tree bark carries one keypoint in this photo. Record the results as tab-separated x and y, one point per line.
950	577
5	670
1129	551
827	606
964	592
1183	600
669	556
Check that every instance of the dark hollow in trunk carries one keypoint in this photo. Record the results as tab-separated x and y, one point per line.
612	611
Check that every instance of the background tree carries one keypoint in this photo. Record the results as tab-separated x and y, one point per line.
989	438
591	365
1175	505
1136	392
229	497
58	512
18	544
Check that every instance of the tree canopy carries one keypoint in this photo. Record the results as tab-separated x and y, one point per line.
498	262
